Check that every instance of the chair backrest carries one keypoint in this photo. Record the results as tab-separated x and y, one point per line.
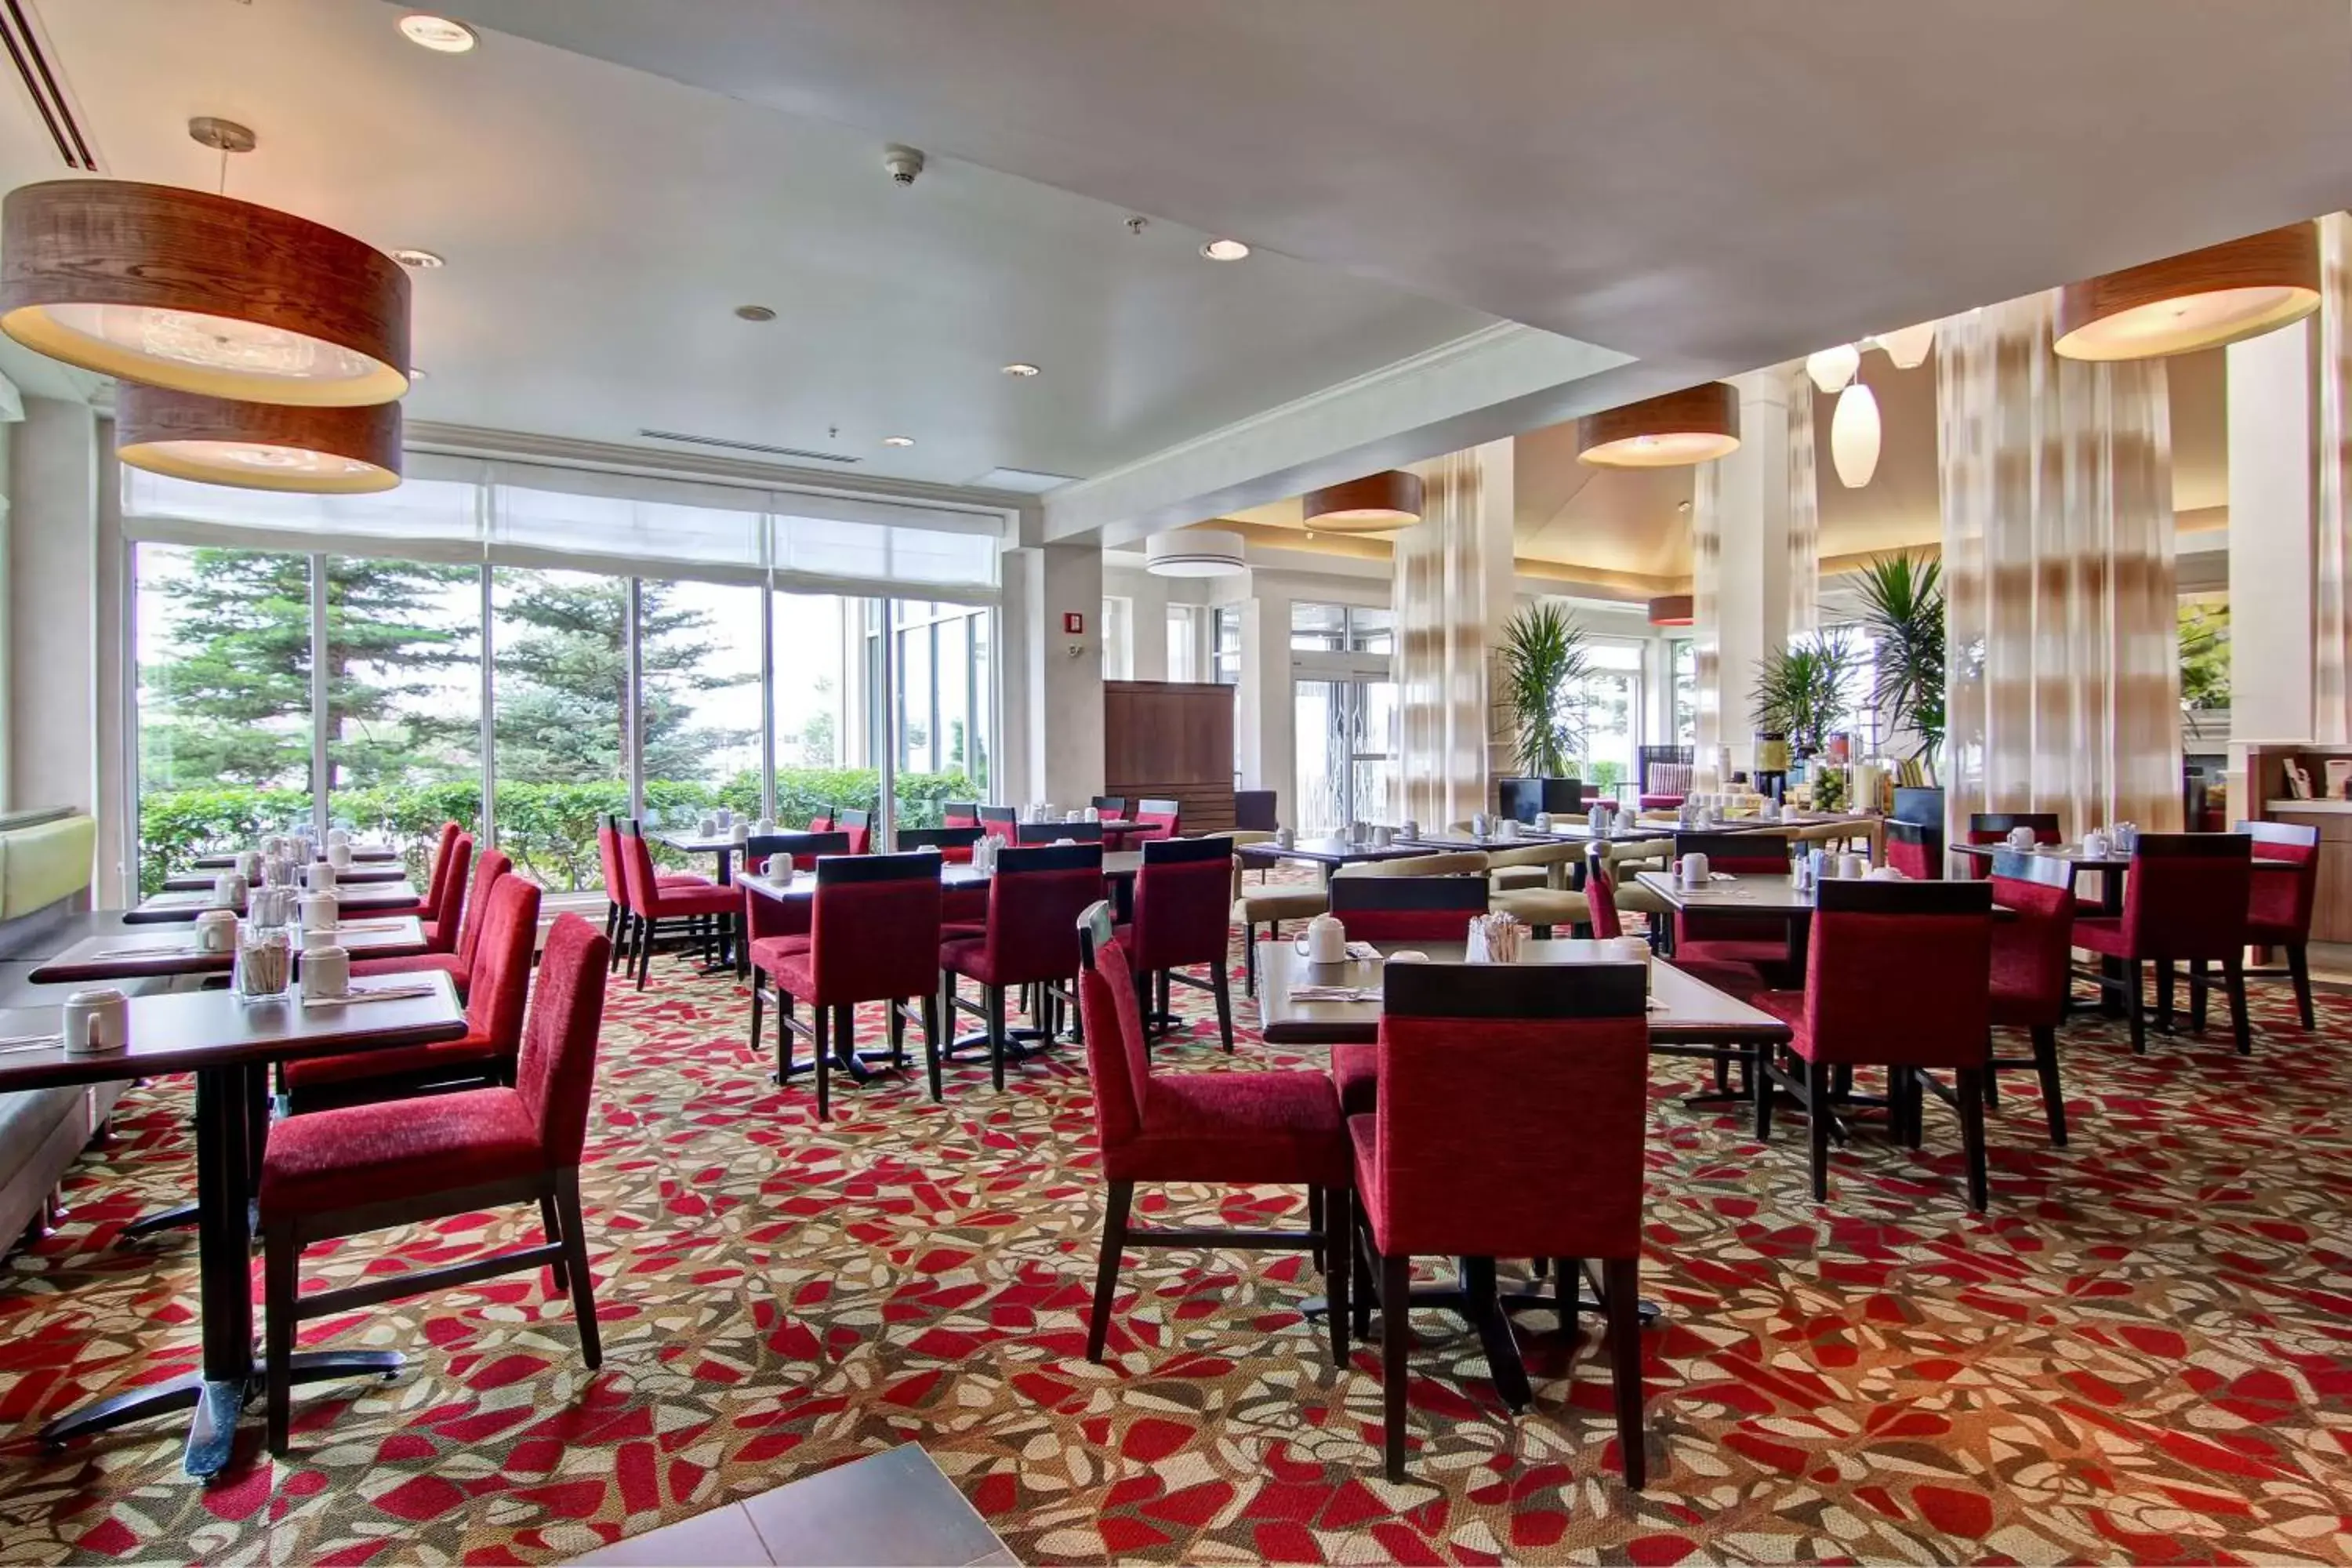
804	848
501	971
1163	816
1407	908
2031	949
1899	973
1109	804
1035	900
962	837
1993	826
822	822
1119	1058
637	878
859	826
959	813
1253	810
1054	832
1600	893
1751	854
1915	849
1183	903
555	1073
1445	863
875	927
608	856
1514	1107
488	872
449	895
2277	899
1646	757
2188	893
437	873
999	817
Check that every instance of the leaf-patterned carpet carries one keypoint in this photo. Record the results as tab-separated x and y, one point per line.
2143	1353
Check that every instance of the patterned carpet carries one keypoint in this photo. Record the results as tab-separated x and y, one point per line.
2143	1353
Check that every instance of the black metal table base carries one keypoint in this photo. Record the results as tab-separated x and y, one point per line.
217	1403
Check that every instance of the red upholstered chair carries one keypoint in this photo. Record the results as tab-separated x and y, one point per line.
1664	776
458	965
437	866
2285	880
1514	1107
1916	849
1054	832
1000	820
1184	909
873	937
1897	976
369	1167
1279	1128
2185	902
820	823
608	855
2033	968
1156	819
859	826
1708	937
953	843
443	913
1994	826
1407	908
700	908
1031	938
958	813
484	1054
1112	807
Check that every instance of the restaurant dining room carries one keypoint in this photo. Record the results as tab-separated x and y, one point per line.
951	783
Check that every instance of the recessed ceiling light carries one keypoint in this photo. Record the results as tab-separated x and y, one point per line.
1224	250
420	261
898	440
755	313
1022	369
437	32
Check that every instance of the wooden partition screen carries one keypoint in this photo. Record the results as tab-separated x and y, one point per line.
1171	740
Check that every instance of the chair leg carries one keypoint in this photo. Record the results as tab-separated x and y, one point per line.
575	1259
2298	969
1760	1081
2054	1099
2136	978
1621	1279
645	949
1340	1248
1249	959
2166	972
1568	1294
758	996
554	1228
1359	1256
1318	1220
1114	1242
992	997
822	1018
1396	1338
932	1043
278	1288
898	1036
2233	975
1972	1138
2199	988
1992	1089
1221	987
1817	1127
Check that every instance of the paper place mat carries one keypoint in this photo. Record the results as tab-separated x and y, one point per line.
31	1042
152	951
389	994
1334	994
368	925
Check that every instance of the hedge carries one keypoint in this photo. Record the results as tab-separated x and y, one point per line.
550	830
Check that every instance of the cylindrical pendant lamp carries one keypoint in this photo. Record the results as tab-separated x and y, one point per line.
1194	552
201	293
1377	504
1696	425
2221	294
257	445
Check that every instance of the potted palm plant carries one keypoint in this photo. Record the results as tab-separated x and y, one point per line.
1543	656
1800	690
1903	610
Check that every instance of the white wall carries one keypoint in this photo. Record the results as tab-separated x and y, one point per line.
54	581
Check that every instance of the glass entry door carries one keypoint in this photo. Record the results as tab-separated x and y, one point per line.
1346	732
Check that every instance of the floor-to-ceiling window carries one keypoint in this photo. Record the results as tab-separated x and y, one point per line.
1607	704
699	718
1344	716
818	702
942	732
558	656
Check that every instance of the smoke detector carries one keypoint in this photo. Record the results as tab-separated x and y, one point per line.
903	163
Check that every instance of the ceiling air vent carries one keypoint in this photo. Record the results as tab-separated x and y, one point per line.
797	452
32	63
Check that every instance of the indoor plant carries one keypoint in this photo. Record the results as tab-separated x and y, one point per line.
1903	611
1800	689
1543	654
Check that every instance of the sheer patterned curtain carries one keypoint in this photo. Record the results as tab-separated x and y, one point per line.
1707	609
2057	485
1443	614
1804	507
2331	686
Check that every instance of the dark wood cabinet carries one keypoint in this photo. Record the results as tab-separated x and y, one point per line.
1171	740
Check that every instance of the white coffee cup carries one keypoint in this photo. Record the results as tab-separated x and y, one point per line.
338	857
319	912
326	970
1852	868
228	891
216	932
1543	823
1694	870
765	827
780	867
2021	838
1284	838
1382	836
1632	950
96	1021
1093	814
706	825
1410	955
323	876
740	832
1326	941
338	835
317	937
1409	828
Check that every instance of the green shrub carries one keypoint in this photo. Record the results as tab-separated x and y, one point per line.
548	829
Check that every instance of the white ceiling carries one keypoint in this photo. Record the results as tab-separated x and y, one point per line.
1709	184
601	225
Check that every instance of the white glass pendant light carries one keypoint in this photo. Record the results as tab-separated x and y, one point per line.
1833	368
1908	347
1853	435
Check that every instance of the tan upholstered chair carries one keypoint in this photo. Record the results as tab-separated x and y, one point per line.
1446	863
1552	910
1268	904
1532	866
1627	858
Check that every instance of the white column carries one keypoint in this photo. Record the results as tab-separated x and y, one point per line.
2270	519
1751	600
1264	717
53	587
1064	670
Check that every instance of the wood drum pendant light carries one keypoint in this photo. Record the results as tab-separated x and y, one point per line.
2223	294
1696	425
1377	504
201	293
257	445
1673	610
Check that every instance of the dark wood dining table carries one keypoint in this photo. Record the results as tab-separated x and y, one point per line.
357	874
138	954
1330	853
721	847
354	900
363	853
229	1045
